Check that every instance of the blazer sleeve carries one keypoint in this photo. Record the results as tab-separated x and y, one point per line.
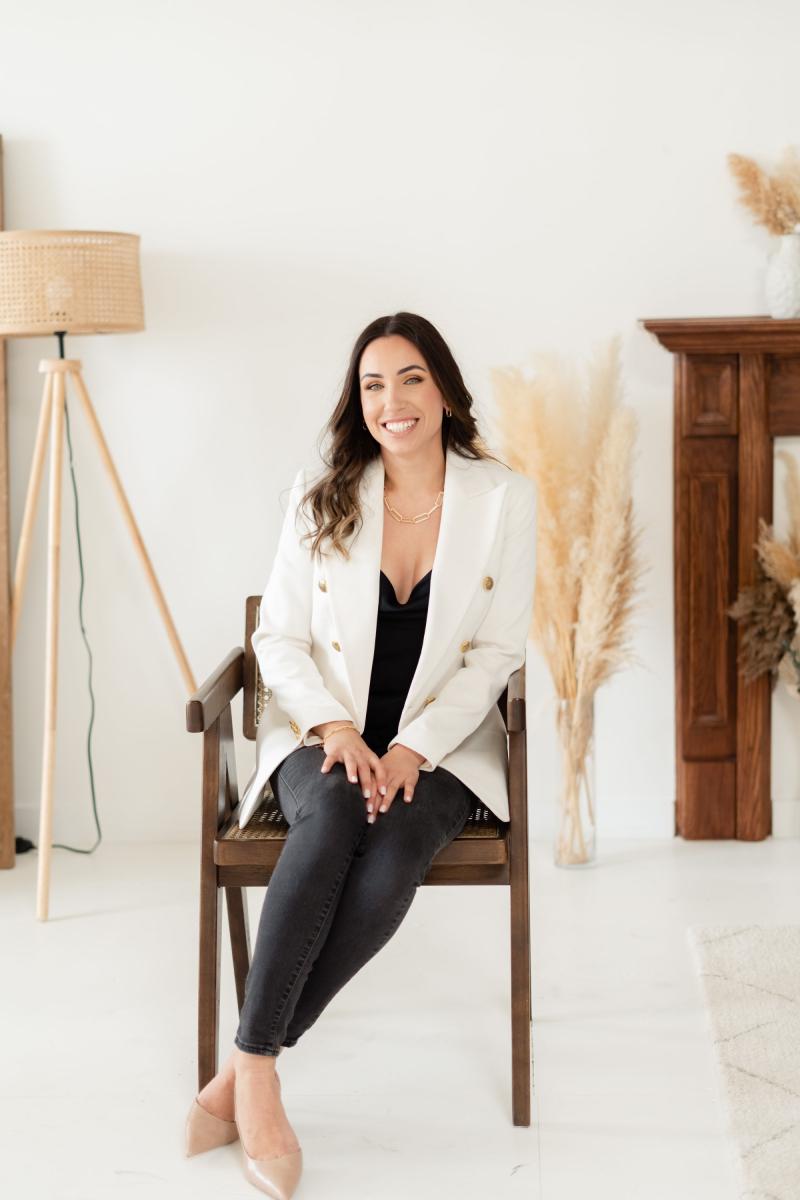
282	640
498	645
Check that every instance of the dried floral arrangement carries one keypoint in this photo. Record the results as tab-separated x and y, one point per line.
576	444
769	609
774	200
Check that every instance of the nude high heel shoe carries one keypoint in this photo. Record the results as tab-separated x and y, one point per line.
277	1177
204	1131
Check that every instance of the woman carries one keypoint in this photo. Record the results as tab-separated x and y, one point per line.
374	695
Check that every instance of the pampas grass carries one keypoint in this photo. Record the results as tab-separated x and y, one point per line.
774	200
576	443
769	609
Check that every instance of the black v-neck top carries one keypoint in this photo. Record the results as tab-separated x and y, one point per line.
398	642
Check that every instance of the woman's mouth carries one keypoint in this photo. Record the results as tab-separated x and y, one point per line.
399	428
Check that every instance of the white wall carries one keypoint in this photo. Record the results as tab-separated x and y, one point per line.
528	176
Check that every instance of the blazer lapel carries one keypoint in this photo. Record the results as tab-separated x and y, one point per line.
468	526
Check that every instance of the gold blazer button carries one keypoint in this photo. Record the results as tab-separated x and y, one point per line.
322	585
336	645
429	700
488	582
295	728
465	646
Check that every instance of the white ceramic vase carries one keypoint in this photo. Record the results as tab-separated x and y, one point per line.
782	280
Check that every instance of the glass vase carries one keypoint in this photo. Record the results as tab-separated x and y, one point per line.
575	837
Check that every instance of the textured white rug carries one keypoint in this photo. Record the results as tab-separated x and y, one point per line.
751	981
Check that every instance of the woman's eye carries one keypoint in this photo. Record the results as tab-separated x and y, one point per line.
415	378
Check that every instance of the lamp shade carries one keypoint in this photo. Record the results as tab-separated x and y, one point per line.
69	281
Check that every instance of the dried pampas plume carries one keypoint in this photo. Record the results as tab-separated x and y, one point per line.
767	626
774	200
768	608
576	443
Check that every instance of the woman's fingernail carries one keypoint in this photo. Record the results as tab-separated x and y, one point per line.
369	808
407	799
367	795
353	778
371	819
383	808
383	790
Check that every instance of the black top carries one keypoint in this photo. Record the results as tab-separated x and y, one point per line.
398	641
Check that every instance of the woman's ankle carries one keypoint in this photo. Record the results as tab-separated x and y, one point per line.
245	1060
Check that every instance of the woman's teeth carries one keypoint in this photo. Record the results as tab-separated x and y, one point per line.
400	426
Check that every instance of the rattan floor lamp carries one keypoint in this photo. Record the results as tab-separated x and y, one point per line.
55	283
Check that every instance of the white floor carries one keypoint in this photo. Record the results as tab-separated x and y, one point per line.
403	1087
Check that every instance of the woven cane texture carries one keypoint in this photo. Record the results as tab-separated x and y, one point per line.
268	822
69	281
263	696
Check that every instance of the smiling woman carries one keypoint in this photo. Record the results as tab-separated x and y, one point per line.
389	405
407	487
401	370
397	608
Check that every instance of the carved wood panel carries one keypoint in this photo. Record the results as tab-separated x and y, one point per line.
736	388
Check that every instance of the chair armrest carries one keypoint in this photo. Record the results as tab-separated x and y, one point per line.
205	706
515	701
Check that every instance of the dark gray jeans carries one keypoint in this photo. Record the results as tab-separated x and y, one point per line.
339	890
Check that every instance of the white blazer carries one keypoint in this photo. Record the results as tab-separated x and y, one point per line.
316	634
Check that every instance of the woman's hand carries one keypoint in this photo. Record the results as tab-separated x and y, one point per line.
401	769
398	768
361	764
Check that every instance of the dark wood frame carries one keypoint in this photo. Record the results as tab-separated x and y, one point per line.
233	861
736	388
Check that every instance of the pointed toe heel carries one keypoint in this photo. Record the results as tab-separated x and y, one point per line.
276	1177
204	1131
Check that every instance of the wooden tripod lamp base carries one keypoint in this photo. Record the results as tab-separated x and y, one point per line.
51	424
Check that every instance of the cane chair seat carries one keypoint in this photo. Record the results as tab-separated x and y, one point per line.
482	840
268	822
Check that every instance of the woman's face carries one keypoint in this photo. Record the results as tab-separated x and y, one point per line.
397	387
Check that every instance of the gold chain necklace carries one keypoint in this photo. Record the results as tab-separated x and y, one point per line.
398	516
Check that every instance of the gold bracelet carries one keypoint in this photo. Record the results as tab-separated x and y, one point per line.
336	730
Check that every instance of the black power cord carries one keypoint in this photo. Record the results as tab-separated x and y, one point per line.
24	844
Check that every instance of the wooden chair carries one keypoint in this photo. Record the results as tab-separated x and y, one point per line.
488	851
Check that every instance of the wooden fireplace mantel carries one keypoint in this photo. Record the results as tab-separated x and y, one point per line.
736	388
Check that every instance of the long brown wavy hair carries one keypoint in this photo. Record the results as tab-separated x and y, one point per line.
333	498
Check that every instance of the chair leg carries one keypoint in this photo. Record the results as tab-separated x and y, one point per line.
208	991
239	926
521	1057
